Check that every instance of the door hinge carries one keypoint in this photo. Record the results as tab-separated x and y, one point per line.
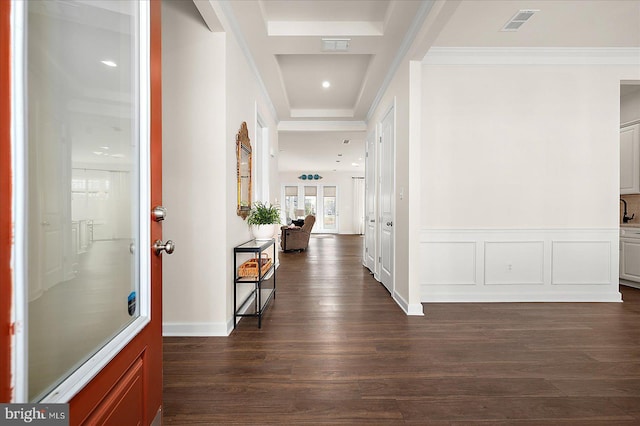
380	139
366	155
380	259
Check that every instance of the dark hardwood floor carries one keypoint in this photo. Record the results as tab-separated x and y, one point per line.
335	348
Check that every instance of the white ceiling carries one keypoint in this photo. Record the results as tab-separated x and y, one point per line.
285	41
284	38
324	152
567	23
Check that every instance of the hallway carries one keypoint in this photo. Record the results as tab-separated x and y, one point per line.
335	348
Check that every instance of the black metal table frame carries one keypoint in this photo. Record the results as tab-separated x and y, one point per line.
258	247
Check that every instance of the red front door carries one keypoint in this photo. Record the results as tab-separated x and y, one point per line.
128	390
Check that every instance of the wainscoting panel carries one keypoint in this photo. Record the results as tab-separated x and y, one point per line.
514	262
452	263
536	265
581	262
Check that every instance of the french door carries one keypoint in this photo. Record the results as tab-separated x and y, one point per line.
319	200
85	173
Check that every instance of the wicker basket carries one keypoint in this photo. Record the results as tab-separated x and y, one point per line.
250	267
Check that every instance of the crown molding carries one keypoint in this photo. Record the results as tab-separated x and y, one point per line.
407	41
324	113
322	126
232	24
532	56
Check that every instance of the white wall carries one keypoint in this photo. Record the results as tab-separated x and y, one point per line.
344	183
630	107
527	156
208	91
519	147
244	101
194	170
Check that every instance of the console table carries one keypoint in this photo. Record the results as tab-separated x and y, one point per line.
261	288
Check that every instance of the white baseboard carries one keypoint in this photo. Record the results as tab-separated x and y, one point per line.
534	265
409	309
195	329
630	283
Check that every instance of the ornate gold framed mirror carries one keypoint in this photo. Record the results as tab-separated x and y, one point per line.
243	157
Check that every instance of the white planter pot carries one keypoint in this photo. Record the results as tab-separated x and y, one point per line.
263	232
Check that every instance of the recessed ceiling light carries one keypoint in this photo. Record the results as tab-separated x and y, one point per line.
346	141
355	164
326	84
117	155
109	63
104	147
97	152
337	161
339	155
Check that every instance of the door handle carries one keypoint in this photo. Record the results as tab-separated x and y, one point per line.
372	220
159	213
159	246
389	223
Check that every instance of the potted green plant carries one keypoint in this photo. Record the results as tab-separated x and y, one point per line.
262	219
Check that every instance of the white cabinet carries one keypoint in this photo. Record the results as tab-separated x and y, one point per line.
630	264
630	256
630	159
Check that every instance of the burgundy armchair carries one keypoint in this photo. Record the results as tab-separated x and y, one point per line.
297	238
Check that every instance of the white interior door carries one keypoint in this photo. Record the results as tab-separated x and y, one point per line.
370	206
386	200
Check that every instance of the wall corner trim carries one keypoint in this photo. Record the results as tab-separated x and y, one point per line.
234	27
414	309
412	32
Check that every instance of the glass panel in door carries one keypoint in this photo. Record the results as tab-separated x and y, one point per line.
310	200
329	208
83	182
290	203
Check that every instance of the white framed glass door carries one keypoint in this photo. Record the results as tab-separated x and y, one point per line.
290	197
311	200
329	208
319	200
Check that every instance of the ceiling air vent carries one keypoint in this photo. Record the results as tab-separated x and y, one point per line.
518	19
335	44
